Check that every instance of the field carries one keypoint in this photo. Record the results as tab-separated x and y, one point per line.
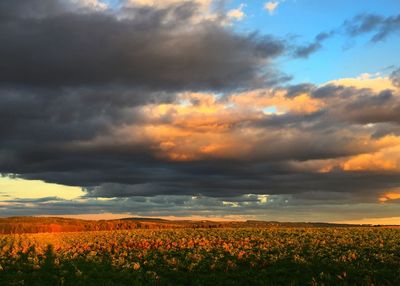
230	256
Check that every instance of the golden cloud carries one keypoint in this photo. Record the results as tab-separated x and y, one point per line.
260	99
389	196
383	156
375	82
199	126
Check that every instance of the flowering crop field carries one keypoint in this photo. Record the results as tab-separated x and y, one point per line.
243	256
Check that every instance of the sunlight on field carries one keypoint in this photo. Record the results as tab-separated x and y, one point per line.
99	216
375	221
243	256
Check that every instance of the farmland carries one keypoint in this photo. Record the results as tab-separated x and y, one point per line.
215	256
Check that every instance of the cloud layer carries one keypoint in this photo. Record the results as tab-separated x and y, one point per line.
165	108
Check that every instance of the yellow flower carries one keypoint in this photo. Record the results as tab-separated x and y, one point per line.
136	266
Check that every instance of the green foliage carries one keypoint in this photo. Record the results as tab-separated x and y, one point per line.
248	256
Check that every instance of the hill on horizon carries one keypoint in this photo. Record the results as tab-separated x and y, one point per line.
31	224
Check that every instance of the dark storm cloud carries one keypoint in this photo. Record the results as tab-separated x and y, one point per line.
59	114
331	90
283	208
12	9
120	169
362	187
355	105
381	27
384	107
295	90
306	50
71	77
344	105
71	74
395	77
159	48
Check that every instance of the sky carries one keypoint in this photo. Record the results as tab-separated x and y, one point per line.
283	110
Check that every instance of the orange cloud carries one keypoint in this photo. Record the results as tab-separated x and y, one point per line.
389	196
386	159
370	162
259	99
194	128
200	126
179	144
200	112
381	155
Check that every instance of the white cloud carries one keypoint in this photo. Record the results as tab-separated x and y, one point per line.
92	4
237	14
203	11
164	3
271	6
376	82
262	199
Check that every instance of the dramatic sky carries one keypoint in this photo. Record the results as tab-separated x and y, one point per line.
283	110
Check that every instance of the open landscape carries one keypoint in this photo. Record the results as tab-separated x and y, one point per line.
200	253
199	142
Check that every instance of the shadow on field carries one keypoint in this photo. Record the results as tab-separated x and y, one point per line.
51	271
